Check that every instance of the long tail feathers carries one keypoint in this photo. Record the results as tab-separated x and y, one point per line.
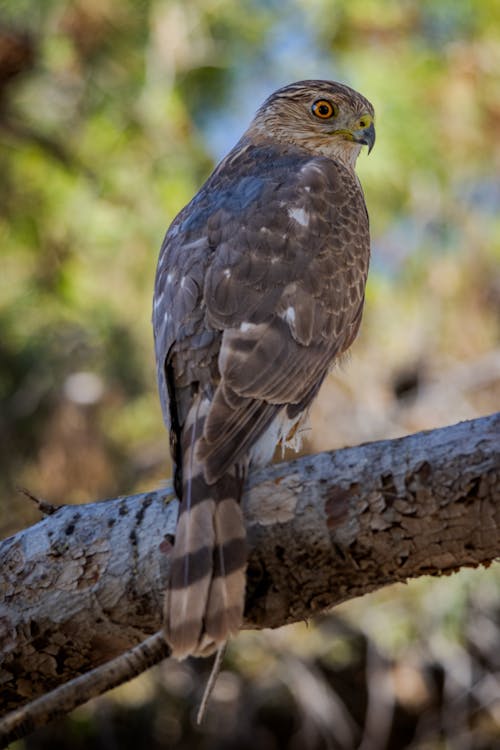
224	611
190	575
205	597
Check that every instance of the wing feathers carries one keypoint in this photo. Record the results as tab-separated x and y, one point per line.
238	430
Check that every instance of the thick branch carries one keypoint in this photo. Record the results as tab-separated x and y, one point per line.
86	583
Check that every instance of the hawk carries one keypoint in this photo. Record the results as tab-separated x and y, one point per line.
259	289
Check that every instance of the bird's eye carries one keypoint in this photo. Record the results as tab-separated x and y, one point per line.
324	109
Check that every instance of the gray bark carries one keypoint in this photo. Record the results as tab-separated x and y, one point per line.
86	583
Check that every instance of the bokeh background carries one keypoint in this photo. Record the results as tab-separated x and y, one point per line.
112	113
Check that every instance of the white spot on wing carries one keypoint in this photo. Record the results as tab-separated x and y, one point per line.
158	300
299	215
170	276
244	327
183	282
311	167
290	315
227	273
194	244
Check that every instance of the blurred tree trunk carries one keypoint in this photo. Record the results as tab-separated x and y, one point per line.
86	583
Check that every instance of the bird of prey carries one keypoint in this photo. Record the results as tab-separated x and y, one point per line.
259	289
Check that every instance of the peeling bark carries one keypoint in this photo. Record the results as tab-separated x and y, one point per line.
86	583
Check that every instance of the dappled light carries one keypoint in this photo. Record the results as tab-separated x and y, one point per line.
112	114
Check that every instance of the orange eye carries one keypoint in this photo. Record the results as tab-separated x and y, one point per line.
324	109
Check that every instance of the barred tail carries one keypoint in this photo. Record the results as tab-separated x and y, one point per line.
205	597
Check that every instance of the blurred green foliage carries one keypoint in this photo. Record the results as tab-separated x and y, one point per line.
112	112
111	115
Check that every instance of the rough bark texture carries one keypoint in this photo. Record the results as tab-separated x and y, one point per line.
86	583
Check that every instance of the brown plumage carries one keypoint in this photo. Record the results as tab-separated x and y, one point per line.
259	288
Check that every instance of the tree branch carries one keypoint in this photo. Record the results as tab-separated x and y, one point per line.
85	584
79	690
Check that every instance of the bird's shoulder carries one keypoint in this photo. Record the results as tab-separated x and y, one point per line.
270	214
256	180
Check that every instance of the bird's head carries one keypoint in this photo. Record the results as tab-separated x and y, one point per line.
327	118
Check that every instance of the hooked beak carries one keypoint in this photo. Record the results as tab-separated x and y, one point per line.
365	136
